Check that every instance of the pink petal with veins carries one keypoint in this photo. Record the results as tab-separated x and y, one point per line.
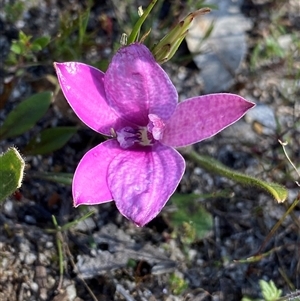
90	178
201	117
142	181
83	88
136	86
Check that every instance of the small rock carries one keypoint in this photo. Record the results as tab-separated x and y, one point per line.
51	281
30	219
285	41
21	256
192	253
240	131
24	245
223	51
8	208
43	258
264	116
30	258
71	291
49	245
34	287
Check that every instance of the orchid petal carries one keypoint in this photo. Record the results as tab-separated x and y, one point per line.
137	86
201	117
89	182
142	181
83	88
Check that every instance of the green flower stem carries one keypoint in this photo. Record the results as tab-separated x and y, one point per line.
73	223
56	177
136	29
211	165
59	247
59	240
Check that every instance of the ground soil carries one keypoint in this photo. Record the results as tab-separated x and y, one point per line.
106	257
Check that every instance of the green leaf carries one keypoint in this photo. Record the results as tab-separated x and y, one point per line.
269	290
13	11
17	47
57	177
137	27
178	284
49	140
11	172
279	192
41	42
83	22
25	115
191	216
23	37
35	47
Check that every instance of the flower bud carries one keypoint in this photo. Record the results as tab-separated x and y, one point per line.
168	45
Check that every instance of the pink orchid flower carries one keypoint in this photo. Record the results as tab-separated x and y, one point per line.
136	104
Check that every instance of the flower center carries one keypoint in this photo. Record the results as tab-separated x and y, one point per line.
144	136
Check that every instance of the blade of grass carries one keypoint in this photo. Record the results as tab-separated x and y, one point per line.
136	29
276	226
59	240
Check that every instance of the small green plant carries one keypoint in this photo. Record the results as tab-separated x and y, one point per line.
62	247
25	49
177	284
73	40
24	117
190	220
20	120
268	47
13	11
269	292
